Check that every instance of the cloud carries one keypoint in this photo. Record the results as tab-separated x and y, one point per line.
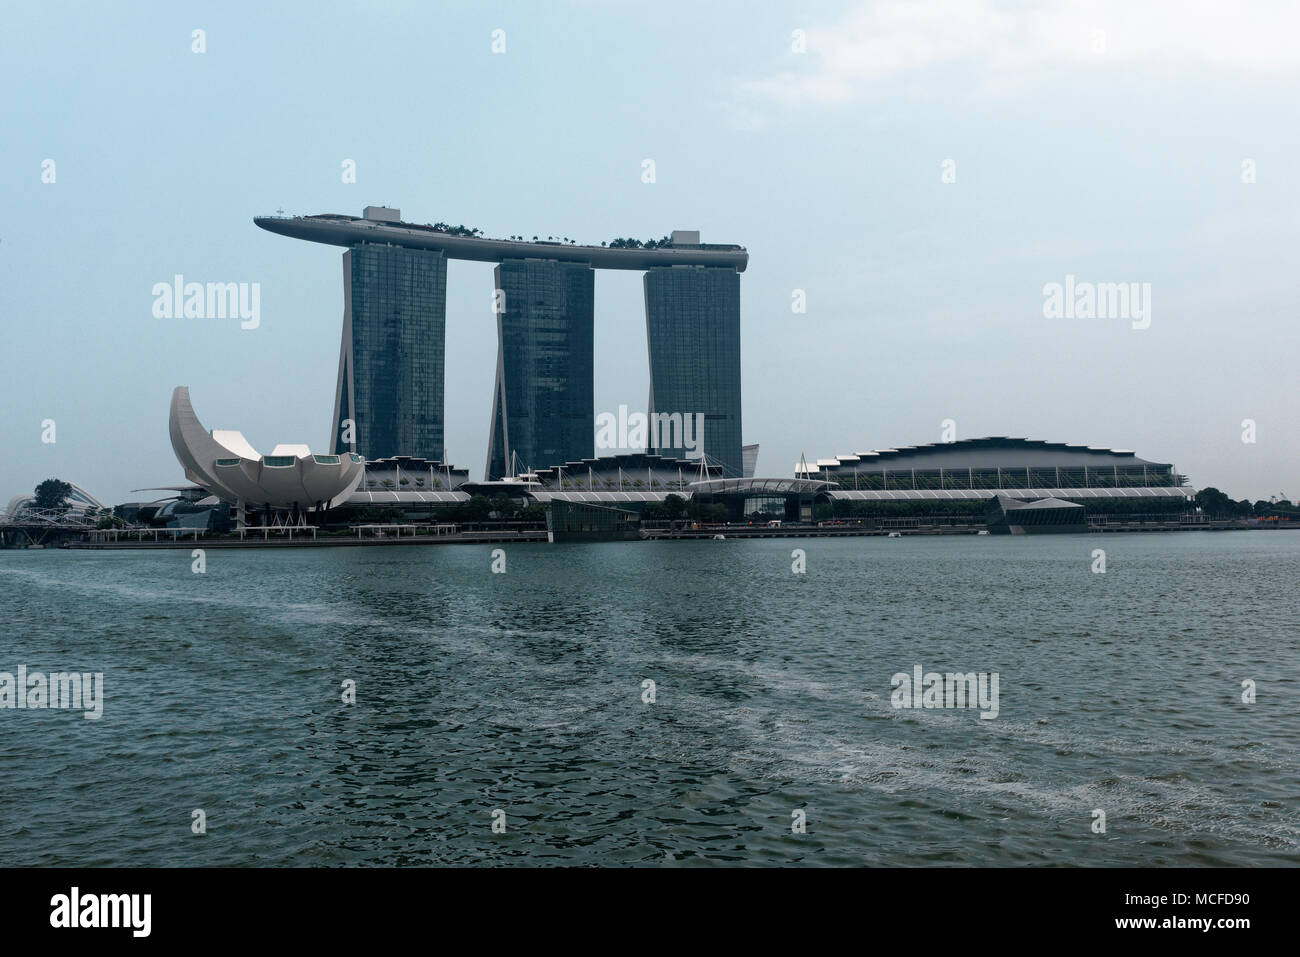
996	41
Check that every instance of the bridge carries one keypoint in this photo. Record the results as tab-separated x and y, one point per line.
40	527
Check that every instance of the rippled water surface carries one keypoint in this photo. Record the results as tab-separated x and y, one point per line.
523	692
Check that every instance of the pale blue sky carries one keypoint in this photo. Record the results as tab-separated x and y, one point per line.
1113	156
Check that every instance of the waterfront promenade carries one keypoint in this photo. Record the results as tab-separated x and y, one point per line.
370	535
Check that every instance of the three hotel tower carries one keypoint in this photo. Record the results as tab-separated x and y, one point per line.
391	376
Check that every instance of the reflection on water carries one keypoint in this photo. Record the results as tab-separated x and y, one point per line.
523	692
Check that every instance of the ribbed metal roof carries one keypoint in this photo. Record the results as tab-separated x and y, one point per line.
762	486
383	497
599	497
992	452
951	494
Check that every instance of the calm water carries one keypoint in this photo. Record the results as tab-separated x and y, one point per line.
523	692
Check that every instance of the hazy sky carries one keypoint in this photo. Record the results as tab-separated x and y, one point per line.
1108	141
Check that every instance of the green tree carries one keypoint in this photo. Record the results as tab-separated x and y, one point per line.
53	494
674	506
707	511
476	509
1213	502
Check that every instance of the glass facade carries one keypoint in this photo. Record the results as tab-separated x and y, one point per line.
693	333
392	364
543	405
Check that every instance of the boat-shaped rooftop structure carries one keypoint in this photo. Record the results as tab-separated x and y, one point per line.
383	226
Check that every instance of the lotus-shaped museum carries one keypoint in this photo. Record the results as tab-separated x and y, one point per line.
226	465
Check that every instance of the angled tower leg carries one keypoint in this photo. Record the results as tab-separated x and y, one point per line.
498	437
